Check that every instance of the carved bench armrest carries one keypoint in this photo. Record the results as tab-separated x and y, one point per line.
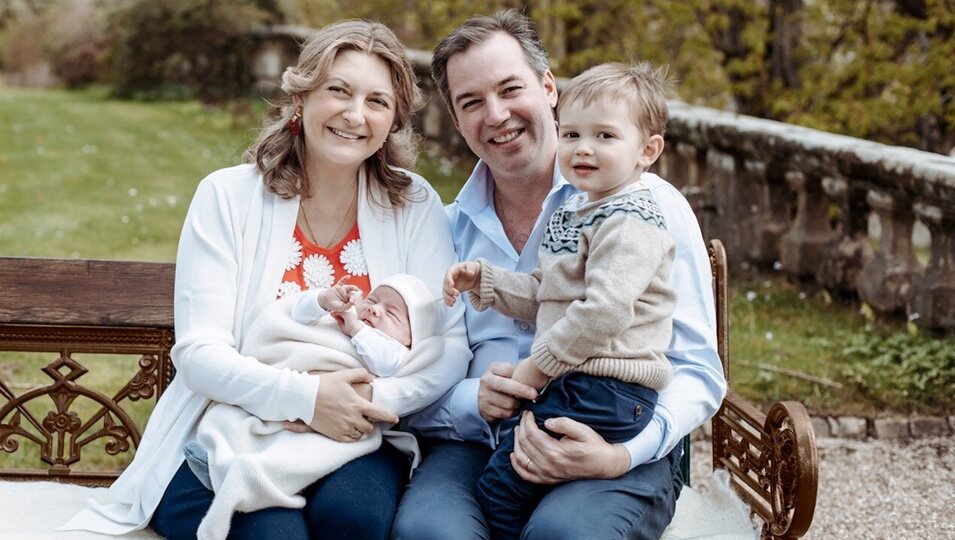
772	462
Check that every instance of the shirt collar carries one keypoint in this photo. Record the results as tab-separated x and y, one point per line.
478	192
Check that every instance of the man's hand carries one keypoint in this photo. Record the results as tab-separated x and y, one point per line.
528	373
339	296
581	453
340	412
462	276
499	396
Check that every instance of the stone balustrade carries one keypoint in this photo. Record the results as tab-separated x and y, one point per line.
828	208
831	209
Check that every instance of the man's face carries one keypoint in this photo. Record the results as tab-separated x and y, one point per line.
502	108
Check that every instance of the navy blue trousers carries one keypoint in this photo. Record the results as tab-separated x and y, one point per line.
358	500
616	410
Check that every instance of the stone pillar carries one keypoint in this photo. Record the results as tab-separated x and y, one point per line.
933	296
803	248
885	282
851	249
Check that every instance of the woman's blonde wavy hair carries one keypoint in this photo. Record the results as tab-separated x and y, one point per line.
280	156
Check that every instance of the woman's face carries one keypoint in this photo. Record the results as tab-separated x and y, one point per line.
349	115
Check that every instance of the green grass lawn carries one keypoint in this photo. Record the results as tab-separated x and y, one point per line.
82	175
85	176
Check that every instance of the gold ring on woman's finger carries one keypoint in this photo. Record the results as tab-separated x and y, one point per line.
527	463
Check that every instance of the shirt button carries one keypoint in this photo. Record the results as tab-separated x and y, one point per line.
524	327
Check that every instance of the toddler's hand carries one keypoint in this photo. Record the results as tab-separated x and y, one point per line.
462	276
339	297
528	373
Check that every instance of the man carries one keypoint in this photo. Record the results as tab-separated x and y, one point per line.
493	75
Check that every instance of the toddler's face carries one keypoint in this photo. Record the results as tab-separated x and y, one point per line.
601	150
385	310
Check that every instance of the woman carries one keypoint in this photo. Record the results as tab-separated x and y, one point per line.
319	200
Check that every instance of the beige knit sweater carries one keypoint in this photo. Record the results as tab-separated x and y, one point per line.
599	294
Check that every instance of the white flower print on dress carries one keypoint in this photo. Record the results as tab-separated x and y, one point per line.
287	288
318	272
353	259
294	255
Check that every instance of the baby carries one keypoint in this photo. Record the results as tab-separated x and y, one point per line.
600	295
252	464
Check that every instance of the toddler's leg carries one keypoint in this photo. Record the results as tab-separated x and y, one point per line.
506	499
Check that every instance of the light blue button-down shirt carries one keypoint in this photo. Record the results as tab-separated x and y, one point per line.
697	387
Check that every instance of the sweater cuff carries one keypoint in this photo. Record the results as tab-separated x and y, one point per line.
547	362
483	297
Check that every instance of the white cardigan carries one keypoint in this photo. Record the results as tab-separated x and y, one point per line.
232	253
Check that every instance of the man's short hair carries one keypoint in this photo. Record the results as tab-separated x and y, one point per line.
642	86
477	30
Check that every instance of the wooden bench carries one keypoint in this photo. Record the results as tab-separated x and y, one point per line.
66	309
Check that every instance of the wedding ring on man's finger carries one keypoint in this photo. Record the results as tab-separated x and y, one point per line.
527	463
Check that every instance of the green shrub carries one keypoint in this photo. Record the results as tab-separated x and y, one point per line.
901	370
203	45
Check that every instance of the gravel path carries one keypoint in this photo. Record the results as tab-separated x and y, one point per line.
877	489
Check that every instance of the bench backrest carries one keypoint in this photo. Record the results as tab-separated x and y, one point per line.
66	314
66	310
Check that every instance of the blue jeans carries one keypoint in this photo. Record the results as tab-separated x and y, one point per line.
441	500
616	410
358	500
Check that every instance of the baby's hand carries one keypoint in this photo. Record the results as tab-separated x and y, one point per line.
348	322
462	276
528	373
339	297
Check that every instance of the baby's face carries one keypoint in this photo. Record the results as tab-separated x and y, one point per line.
385	310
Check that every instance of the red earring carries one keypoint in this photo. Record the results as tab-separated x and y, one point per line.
295	122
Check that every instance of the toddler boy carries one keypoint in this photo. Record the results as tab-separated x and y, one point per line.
599	296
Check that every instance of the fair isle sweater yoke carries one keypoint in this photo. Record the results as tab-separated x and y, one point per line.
599	293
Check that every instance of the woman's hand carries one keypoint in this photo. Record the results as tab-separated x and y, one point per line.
340	412
462	276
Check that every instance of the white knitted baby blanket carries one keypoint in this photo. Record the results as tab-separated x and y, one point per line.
257	464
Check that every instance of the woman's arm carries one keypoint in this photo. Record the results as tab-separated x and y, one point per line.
207	296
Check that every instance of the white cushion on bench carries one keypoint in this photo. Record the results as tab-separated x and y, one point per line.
32	510
715	514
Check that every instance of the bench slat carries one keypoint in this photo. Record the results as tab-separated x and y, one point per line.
86	292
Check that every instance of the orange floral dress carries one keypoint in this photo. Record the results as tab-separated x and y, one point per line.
310	266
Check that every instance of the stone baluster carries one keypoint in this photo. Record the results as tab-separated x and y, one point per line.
933	296
749	208
851	249
680	165
885	282
803	247
768	206
724	188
